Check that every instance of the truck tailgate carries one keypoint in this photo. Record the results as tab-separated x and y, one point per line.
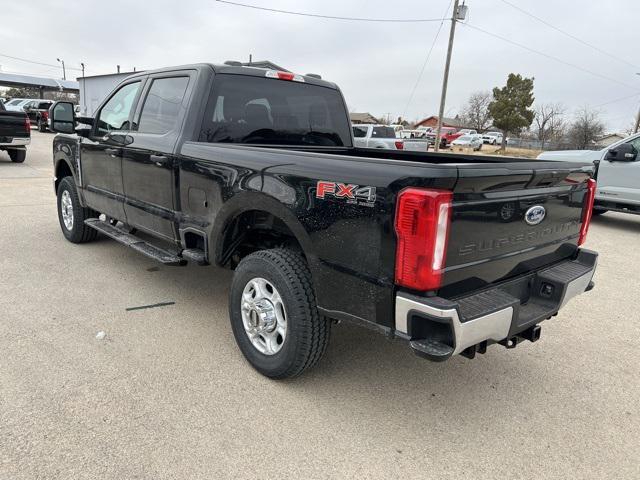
511	218
12	124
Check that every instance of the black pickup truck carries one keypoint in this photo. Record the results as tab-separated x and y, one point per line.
255	170
15	134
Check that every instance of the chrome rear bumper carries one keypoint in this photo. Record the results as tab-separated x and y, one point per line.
16	142
440	328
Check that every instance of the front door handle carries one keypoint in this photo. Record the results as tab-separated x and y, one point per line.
114	152
159	160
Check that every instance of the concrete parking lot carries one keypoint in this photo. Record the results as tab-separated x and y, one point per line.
168	395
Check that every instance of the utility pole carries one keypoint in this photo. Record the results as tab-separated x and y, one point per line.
64	72
84	91
445	81
635	129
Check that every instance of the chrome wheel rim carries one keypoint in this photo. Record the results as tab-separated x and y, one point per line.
263	316
66	207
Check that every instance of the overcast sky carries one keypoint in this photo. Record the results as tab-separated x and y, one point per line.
376	64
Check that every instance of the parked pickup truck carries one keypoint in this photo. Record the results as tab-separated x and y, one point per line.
15	134
255	170
618	173
376	136
38	113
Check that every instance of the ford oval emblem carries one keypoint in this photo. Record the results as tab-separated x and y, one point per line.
535	215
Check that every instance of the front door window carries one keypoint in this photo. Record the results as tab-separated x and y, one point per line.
116	112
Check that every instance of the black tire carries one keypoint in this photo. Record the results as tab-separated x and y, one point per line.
17	156
79	232
307	333
41	126
599	211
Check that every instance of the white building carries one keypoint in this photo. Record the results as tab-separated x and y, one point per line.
93	90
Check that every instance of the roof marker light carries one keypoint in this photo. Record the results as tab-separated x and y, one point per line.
284	76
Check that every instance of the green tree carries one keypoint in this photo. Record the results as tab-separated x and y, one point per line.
24	92
510	108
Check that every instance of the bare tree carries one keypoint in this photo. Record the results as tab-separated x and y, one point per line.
586	128
549	124
476	112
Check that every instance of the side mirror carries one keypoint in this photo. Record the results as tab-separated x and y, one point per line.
62	117
622	153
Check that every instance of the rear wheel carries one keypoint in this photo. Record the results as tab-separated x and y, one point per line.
41	126
507	212
72	215
17	156
274	316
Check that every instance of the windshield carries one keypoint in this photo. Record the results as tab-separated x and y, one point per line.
465	138
255	110
15	101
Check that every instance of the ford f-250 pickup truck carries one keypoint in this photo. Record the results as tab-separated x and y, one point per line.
15	134
255	170
618	173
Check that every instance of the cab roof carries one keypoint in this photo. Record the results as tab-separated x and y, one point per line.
234	70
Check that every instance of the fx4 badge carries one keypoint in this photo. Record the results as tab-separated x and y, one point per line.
353	194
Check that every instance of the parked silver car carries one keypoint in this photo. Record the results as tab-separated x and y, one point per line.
473	141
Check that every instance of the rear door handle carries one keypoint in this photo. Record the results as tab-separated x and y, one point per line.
114	152
159	160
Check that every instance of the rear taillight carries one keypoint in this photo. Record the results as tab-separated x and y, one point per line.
27	125
399	145
45	116
587	210
422	227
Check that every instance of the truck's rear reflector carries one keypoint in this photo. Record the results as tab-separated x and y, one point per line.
422	224
587	210
399	145
284	76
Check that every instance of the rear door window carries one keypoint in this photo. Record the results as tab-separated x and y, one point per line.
162	105
259	110
383	132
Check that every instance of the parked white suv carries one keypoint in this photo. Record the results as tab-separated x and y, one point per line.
492	138
618	173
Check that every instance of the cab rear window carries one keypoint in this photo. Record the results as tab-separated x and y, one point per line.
255	110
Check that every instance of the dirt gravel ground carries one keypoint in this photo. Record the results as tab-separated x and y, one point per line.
167	395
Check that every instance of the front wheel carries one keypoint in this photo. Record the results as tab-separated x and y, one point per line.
72	215
274	316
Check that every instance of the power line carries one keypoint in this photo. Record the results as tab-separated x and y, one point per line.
426	60
551	57
331	17
34	62
577	39
617	100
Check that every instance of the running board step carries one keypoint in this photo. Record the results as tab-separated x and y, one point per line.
194	255
431	349
136	243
